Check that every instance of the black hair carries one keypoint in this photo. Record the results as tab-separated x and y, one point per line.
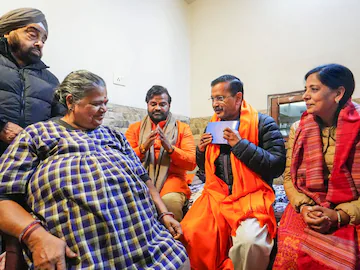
236	85
157	90
335	76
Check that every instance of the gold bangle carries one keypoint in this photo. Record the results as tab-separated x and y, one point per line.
142	149
165	214
339	219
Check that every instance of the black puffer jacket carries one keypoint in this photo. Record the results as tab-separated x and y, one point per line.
267	159
27	93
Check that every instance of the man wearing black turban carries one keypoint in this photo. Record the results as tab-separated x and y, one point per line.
26	86
21	17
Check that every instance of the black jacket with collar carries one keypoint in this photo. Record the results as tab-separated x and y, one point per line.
26	93
266	159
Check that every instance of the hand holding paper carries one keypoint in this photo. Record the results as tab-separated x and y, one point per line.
232	136
216	129
205	139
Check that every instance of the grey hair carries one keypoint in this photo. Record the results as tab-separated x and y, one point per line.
79	84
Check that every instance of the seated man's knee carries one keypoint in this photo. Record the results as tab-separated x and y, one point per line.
251	243
246	240
250	236
249	251
174	202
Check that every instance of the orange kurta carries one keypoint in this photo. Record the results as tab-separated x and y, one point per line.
216	215
183	158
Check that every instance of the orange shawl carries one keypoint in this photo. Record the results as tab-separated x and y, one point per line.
216	215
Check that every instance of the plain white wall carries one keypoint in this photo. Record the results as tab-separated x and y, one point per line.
147	41
269	44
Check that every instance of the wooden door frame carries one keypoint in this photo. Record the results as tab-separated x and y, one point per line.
274	102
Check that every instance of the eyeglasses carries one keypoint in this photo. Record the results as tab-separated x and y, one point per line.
34	34
219	98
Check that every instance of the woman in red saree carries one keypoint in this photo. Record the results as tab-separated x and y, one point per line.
320	227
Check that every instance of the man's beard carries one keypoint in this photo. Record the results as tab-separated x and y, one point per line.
161	116
26	55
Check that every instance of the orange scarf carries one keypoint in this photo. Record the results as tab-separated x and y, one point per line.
251	196
216	215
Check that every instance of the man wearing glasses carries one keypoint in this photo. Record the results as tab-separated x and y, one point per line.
232	224
26	86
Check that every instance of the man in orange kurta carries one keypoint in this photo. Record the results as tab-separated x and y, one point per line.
166	147
232	224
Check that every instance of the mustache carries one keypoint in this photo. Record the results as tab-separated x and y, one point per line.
158	112
35	49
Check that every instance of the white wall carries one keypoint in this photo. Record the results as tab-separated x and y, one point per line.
269	44
147	41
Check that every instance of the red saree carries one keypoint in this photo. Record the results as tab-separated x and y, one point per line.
299	247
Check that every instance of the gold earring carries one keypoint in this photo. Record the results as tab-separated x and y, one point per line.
337	101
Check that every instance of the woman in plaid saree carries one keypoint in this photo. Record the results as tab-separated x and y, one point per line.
84	183
320	227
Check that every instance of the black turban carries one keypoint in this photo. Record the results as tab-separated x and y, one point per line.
21	17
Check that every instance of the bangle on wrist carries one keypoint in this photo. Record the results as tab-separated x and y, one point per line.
165	214
27	229
142	149
29	232
339	219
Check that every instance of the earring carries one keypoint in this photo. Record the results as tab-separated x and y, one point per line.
337	101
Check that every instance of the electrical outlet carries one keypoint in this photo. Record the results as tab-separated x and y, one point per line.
119	80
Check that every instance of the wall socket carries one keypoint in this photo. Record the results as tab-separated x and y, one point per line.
119	80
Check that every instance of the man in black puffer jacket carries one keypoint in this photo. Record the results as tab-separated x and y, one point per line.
26	86
236	203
